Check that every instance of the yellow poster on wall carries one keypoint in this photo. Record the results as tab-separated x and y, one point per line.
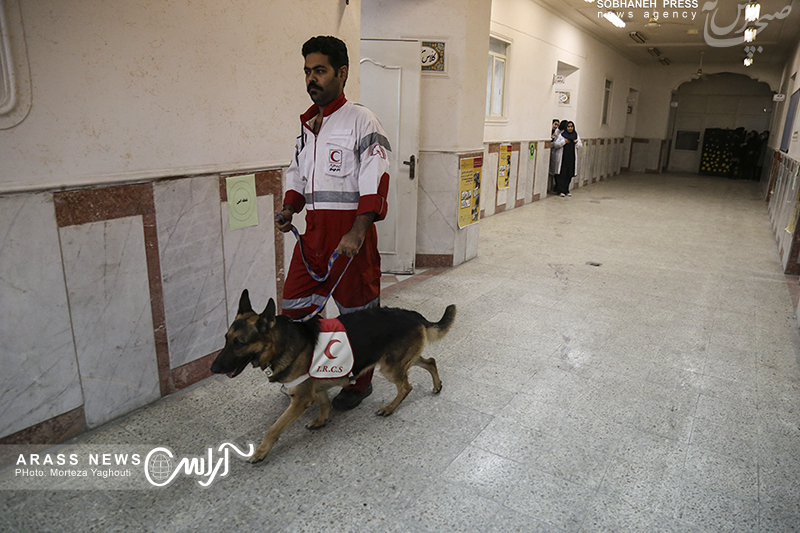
469	209
504	166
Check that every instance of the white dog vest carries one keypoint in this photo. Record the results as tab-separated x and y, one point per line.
333	355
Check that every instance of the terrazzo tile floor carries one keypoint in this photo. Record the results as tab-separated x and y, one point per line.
622	360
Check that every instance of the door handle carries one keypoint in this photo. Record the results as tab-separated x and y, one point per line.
412	166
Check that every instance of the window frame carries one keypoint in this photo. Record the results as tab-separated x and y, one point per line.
605	108
496	57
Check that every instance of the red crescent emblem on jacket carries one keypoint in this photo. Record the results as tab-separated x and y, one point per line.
328	349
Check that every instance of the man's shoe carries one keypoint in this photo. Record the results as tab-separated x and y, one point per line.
348	399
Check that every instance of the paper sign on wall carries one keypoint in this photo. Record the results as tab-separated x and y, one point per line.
242	208
504	166
469	209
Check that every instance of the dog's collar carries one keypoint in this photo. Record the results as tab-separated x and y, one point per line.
295	382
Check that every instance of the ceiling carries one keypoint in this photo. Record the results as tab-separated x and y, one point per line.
682	39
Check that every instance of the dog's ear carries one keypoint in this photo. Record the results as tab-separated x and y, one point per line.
266	320
244	303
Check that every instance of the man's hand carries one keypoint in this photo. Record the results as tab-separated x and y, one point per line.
284	219
352	240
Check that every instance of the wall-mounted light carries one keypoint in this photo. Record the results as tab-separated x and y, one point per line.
752	11
636	36
614	19
748	61
655	52
750	34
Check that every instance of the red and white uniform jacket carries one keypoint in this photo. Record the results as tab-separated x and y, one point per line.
338	173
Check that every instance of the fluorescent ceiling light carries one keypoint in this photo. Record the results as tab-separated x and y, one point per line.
636	36
614	19
750	34
752	11
655	52
664	61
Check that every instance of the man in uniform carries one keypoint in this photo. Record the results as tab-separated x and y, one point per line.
340	174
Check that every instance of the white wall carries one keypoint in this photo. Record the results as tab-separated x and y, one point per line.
451	109
658	82
540	39
137	89
727	101
447	111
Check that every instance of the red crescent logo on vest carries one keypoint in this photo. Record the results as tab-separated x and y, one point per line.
328	349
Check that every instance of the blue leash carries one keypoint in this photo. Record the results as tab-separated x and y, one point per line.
313	274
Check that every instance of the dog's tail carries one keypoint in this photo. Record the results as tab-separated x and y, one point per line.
437	330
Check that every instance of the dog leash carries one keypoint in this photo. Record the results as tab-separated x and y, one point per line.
313	274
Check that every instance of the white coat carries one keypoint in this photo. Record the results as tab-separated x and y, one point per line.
556	153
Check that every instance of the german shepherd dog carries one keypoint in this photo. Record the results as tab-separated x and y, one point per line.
391	338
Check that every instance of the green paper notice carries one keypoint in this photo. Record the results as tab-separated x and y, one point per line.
242	204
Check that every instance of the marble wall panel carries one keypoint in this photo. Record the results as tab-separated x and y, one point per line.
527	169
106	274
625	156
604	159
542	169
587	160
639	155
514	178
584	164
190	249
40	370
466	247
437	203
645	154
489	193
250	258
522	175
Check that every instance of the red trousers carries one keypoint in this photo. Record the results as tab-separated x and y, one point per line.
359	288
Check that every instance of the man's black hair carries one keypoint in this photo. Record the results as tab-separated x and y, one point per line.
329	46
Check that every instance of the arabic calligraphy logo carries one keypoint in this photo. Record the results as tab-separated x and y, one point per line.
713	37
159	471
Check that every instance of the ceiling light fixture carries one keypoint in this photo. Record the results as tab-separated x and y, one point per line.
664	61
614	19
655	52
636	36
752	11
750	34
748	61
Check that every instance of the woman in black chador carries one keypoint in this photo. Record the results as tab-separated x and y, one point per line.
570	142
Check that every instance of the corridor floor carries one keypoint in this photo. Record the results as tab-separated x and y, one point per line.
626	359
